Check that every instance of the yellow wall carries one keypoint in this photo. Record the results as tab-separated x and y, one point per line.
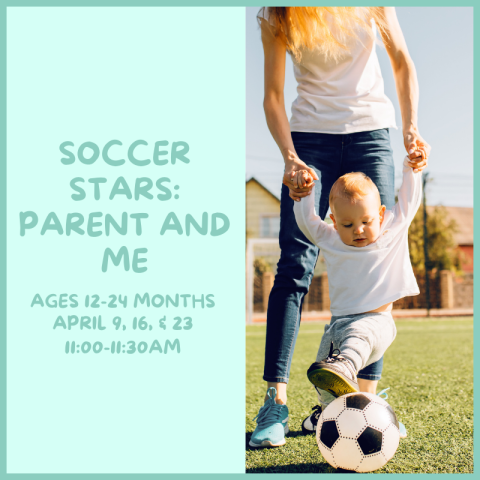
259	202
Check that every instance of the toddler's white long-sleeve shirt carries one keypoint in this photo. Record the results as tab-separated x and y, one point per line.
365	278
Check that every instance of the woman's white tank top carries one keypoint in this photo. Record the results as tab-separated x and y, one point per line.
340	96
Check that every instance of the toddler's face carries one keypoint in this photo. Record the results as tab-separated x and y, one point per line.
358	224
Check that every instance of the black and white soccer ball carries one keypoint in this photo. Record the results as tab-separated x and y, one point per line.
359	432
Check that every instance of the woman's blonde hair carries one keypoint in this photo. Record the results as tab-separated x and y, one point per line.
311	27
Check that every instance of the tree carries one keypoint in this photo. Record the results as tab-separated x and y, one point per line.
261	266
442	251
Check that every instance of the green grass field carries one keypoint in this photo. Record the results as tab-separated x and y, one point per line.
429	369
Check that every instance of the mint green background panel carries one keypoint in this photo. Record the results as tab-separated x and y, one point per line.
99	74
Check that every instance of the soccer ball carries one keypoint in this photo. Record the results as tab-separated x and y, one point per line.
358	431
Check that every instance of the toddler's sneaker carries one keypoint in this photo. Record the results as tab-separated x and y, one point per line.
309	425
272	423
401	427
335	374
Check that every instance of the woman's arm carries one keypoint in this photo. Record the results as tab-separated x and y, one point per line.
274	106
407	87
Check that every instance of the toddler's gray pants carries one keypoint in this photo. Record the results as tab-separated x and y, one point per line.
361	338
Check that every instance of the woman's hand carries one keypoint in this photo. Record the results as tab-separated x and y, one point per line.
297	183
418	150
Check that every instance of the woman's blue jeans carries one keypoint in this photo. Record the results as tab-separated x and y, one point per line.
332	156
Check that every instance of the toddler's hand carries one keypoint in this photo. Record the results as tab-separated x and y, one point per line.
292	165
418	150
420	162
302	179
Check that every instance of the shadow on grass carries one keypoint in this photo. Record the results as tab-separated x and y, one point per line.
292	468
298	468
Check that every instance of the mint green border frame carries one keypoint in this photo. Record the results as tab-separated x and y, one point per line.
3	199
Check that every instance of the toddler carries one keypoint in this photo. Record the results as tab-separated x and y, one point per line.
368	265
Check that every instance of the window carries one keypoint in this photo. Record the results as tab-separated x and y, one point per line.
269	226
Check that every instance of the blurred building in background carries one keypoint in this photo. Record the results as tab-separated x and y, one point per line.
262	211
463	216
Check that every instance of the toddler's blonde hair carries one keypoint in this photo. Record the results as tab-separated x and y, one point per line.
352	186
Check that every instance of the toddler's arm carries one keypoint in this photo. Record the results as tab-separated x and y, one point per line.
311	225
409	195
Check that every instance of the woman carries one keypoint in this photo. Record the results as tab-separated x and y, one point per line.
340	123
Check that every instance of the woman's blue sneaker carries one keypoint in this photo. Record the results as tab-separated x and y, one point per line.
272	423
401	427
